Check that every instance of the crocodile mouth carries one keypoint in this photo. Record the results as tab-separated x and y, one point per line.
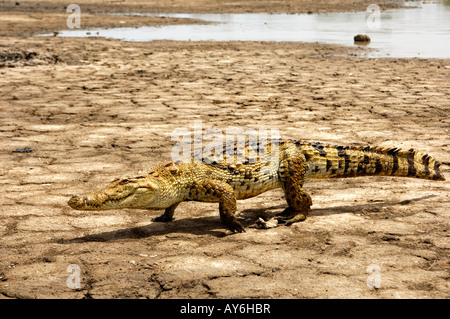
121	193
99	203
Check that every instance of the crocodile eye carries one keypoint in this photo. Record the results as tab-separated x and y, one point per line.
124	181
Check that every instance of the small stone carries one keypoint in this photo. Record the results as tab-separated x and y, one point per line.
262	224
24	150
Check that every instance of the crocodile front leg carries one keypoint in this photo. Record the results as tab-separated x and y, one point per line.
211	190
168	214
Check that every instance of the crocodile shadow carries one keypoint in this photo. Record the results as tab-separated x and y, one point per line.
212	225
341	209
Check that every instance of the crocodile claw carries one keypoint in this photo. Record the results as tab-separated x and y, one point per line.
236	227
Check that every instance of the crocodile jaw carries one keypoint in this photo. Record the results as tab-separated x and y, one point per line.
119	194
92	203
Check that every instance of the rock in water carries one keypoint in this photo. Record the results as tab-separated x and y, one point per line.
361	38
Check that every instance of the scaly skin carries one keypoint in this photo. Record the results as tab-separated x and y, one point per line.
226	180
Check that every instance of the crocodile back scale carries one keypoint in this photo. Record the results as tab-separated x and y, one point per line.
250	171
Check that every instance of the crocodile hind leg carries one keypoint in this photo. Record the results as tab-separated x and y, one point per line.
168	214
211	190
292	173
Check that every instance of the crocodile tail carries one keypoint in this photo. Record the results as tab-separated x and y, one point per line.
331	161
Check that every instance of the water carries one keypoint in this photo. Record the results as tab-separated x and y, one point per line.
422	31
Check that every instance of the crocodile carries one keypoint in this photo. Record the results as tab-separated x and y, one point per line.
249	172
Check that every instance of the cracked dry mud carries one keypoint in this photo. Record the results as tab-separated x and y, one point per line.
106	108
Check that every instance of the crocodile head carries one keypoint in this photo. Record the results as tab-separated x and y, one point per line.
136	192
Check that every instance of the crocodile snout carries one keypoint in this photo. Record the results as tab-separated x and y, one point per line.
77	202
